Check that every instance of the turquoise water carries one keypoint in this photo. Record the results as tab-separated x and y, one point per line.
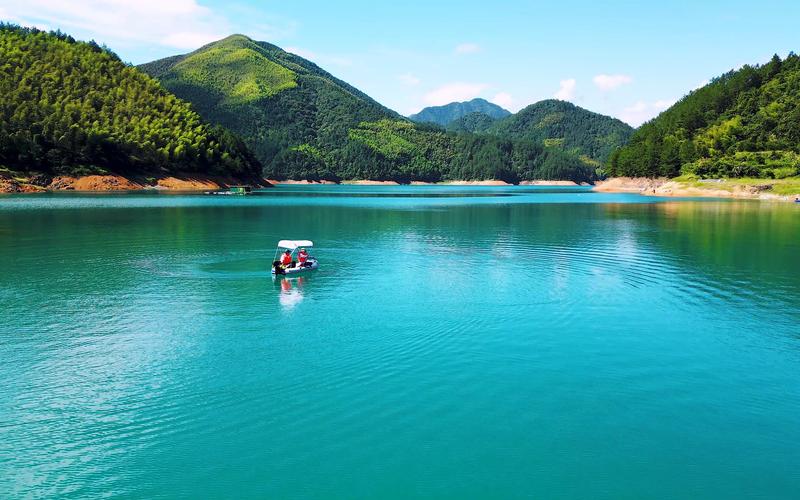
455	342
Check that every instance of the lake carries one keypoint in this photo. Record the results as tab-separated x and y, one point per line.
455	342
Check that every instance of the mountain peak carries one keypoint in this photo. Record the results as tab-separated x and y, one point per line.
448	113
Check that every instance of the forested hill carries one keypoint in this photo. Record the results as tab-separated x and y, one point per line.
74	108
448	113
277	101
744	123
303	123
562	125
475	122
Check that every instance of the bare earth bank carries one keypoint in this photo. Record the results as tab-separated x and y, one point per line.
760	189
112	182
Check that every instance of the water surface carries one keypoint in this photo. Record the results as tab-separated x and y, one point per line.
456	341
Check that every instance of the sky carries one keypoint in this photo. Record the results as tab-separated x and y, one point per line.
628	59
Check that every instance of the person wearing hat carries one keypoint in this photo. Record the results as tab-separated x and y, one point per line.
286	259
302	256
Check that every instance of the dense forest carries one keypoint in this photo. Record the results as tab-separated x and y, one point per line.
275	100
448	113
562	125
74	108
474	122
746	123
401	151
303	123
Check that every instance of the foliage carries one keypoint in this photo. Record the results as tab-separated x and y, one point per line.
471	123
744	123
71	107
445	115
238	74
400	151
320	127
560	124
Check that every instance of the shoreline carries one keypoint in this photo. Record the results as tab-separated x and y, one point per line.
752	189
40	183
367	182
748	189
36	182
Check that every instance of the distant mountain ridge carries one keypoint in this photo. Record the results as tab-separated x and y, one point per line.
448	113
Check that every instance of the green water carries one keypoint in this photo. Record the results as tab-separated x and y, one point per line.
455	342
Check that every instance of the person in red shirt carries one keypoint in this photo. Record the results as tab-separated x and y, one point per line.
286	259
302	256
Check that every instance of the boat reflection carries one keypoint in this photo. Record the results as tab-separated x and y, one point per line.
291	291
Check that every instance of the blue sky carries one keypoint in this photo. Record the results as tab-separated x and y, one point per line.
623	58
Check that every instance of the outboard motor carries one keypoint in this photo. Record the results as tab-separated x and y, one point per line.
276	265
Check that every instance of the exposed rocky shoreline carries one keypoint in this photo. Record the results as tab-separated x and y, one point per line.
760	189
36	183
488	182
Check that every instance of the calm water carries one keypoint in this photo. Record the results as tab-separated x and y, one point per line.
493	342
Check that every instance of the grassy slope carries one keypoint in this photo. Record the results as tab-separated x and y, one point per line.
789	186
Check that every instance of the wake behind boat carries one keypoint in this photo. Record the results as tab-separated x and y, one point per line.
292	257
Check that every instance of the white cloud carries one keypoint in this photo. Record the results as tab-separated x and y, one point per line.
128	23
566	90
467	48
189	41
409	79
503	99
453	92
642	111
318	58
610	82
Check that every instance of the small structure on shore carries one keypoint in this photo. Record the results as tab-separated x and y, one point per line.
234	190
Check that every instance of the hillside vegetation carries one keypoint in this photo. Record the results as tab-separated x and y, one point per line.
303	123
564	126
746	123
277	101
448	113
74	108
475	122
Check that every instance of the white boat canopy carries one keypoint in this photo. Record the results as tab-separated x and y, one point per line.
294	244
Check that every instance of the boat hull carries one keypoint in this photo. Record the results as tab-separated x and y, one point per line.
297	270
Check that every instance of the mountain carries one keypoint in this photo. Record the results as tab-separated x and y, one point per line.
743	123
277	101
303	123
412	152
562	125
444	115
74	108
471	123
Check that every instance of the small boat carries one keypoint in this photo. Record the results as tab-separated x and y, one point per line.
295	267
